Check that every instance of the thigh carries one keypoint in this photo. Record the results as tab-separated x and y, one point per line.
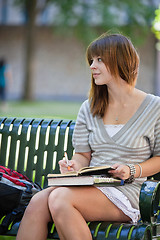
93	204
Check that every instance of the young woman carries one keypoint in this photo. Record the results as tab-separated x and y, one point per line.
118	125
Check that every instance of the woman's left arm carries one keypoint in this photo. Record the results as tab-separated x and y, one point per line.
148	167
144	169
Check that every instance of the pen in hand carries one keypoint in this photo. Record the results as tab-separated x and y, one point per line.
66	158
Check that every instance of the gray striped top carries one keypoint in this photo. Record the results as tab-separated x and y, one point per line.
137	140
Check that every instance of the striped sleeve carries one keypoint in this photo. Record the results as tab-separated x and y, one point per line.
81	133
156	151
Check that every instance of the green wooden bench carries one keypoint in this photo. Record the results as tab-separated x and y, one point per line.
34	146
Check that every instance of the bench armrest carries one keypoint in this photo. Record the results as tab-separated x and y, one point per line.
149	201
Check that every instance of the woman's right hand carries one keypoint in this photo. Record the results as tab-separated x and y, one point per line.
78	161
64	167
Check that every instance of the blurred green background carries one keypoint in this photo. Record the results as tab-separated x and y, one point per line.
41	109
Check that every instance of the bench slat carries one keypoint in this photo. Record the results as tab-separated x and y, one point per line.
21	165
5	131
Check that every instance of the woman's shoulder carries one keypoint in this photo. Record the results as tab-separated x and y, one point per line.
85	109
153	103
85	104
155	99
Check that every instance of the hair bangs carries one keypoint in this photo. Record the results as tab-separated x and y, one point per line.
96	48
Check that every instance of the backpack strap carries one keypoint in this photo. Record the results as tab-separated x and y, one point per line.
15	216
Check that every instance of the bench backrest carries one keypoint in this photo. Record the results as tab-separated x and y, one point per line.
34	146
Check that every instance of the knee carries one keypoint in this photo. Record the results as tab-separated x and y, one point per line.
58	199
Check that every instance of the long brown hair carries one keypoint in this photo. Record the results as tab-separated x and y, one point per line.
120	57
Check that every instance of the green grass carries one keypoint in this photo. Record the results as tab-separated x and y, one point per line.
41	109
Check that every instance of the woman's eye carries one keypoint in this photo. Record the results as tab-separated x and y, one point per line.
99	59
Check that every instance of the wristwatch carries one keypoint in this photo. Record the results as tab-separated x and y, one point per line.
132	173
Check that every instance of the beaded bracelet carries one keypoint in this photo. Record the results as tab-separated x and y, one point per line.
132	173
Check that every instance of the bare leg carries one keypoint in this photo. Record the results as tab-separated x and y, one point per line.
71	207
36	217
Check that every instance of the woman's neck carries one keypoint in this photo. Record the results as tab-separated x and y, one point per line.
121	94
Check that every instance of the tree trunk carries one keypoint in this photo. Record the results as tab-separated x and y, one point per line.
29	49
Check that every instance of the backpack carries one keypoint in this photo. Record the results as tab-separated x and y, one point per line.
16	190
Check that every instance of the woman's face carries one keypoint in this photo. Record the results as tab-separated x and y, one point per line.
100	72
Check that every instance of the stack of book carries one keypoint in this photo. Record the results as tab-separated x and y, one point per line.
86	176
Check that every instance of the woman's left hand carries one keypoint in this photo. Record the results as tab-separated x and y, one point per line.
121	171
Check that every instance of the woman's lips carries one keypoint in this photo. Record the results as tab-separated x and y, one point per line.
96	75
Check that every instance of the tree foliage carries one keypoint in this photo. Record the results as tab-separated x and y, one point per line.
87	18
156	23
